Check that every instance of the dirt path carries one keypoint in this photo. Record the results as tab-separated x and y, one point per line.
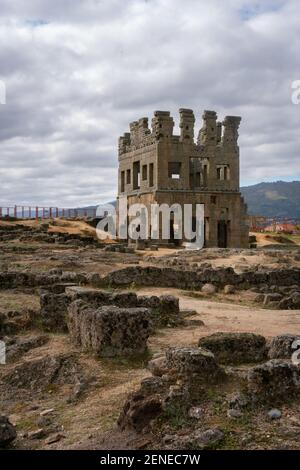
219	316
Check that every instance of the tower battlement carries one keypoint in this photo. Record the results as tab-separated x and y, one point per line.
212	132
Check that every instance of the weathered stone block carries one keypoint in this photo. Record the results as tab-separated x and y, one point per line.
109	331
235	348
191	362
7	431
53	311
275	379
281	346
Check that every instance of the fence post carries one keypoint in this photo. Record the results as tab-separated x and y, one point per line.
15	211
37	213
1	212
57	212
50	212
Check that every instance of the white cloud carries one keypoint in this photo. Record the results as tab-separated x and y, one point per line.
77	72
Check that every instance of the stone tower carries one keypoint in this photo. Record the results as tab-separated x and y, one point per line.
156	166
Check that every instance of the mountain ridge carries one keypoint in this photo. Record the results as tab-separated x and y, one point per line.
279	199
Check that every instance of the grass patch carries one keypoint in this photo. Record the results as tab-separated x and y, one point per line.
174	416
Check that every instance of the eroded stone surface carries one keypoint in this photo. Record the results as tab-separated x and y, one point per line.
235	348
109	331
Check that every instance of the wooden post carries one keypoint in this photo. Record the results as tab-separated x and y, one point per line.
37	213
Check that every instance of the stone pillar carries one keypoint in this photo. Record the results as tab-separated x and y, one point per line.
208	132
187	122
162	125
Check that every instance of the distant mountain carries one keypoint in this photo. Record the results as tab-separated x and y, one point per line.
279	199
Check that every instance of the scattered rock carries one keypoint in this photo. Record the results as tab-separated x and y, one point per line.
234	413
229	289
7	431
37	434
208	439
274	414
54	438
208	289
195	412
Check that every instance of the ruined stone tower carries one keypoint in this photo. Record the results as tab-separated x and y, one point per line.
156	166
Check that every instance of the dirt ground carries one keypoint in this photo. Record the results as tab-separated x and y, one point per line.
83	423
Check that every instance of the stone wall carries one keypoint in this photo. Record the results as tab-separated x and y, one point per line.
163	310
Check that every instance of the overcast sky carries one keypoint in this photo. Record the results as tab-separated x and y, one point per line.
78	71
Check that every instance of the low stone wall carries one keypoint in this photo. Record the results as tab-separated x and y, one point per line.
15	279
109	331
163	310
155	276
170	277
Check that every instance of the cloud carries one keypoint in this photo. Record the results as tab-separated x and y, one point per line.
77	72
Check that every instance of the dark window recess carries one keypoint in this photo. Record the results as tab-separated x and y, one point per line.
225	173
151	174
122	181
204	175
136	175
144	172
174	169
213	199
128	177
